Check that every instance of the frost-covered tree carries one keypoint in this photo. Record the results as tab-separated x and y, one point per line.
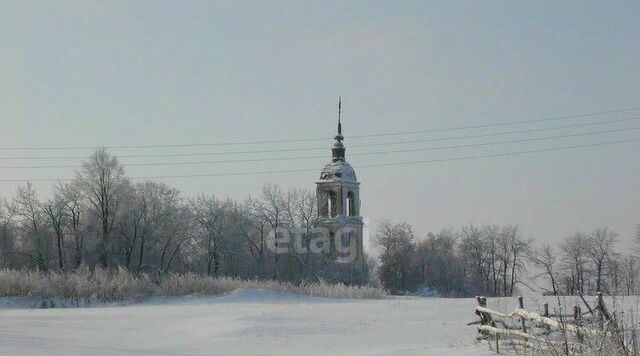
70	195
55	210
269	212
474	254
104	185
438	265
302	216
600	248
7	236
209	215
548	261
396	242
150	210
629	274
31	224
574	259
637	240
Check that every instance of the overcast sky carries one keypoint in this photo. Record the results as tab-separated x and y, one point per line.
147	72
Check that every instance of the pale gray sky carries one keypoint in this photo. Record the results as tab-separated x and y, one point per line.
148	72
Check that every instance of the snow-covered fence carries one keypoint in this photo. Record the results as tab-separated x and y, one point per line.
588	332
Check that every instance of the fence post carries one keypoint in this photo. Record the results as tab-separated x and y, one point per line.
546	309
484	317
600	310
521	303
482	321
482	301
577	316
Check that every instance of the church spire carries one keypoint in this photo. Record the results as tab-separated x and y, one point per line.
337	152
339	114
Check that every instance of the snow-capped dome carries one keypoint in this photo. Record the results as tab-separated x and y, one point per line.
338	170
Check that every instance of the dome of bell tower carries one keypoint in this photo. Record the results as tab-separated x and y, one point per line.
338	171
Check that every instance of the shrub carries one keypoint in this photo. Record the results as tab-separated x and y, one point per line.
104	285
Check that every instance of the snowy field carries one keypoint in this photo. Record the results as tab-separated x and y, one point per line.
247	322
256	322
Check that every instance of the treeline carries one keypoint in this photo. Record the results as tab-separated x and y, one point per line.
498	261
101	218
470	261
584	263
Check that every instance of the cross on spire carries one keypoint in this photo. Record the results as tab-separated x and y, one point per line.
338	147
339	114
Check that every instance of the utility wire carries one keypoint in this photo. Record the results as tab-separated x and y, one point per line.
516	153
455	128
507	123
502	133
391	164
492	134
469	145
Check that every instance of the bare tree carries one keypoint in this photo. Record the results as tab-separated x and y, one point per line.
7	238
396	242
27	209
151	207
614	273
600	248
55	211
519	248
209	214
574	256
176	235
103	184
629	273
271	209
302	210
637	239
510	250
490	238
474	252
546	259
437	265
256	233
71	196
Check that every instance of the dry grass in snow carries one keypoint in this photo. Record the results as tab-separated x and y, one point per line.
102	285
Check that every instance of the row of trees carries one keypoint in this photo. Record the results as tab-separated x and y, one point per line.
497	261
584	263
101	218
473	260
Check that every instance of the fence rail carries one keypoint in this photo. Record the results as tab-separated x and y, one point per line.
564	334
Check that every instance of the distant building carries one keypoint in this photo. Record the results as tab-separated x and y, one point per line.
338	193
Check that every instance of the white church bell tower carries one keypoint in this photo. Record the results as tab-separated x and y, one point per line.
338	193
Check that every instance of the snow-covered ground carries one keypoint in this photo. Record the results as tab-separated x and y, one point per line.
247	322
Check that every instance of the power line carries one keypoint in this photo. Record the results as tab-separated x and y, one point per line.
391	164
492	134
507	123
499	154
469	145
533	139
437	139
455	128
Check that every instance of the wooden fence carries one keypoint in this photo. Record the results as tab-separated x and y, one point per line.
581	332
